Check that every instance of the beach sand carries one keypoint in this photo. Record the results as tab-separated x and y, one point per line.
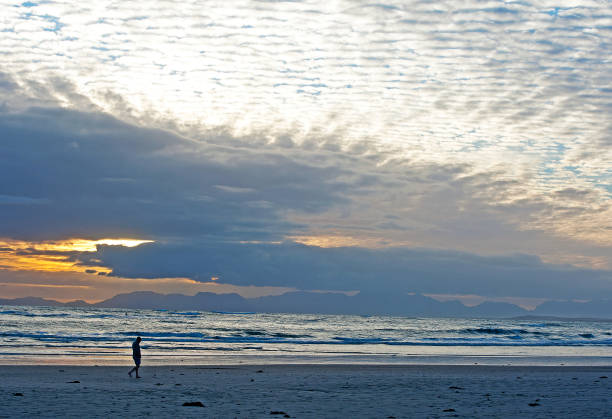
307	391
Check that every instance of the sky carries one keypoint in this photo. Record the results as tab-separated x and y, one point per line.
455	149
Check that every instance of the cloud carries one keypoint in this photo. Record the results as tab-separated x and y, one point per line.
477	84
20	200
99	177
495	73
371	271
481	127
93	176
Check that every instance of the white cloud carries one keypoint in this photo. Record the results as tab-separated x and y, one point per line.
516	94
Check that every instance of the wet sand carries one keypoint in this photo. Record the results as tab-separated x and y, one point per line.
307	391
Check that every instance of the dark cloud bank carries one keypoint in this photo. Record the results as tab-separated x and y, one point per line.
378	271
87	175
215	209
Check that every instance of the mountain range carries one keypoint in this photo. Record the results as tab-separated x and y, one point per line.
331	303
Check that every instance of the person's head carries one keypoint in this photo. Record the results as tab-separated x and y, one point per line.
138	339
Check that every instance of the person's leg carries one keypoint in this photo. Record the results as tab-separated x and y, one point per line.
137	363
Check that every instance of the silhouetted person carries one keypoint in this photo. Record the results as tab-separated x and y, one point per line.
136	356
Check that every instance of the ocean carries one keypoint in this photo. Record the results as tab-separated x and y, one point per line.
96	336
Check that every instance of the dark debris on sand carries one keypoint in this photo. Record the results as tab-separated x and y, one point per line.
280	412
195	404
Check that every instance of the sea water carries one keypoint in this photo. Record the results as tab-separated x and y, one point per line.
91	336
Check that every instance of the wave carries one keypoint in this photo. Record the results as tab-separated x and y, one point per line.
99	316
168	338
41	336
577	342
289	335
544	325
232	312
191	331
362	341
315	320
433	342
161	334
28	314
499	331
186	313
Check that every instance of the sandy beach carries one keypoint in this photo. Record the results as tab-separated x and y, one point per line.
307	391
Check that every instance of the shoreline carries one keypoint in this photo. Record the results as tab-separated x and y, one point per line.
306	390
339	367
194	360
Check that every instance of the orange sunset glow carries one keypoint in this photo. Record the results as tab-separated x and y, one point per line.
54	256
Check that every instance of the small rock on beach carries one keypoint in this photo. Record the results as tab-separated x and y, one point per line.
195	404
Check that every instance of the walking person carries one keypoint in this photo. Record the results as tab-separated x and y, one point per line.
136	356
